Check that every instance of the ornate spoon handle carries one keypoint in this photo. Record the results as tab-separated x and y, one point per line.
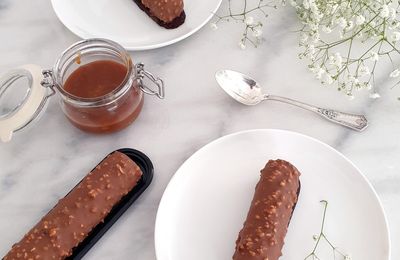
355	122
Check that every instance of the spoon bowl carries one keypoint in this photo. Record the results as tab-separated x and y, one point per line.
240	87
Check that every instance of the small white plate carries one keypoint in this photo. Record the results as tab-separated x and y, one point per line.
123	21
206	202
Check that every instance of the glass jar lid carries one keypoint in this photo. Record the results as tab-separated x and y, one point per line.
22	98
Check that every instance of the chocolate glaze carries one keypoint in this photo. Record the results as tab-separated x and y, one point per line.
84	207
165	10
169	20
275	197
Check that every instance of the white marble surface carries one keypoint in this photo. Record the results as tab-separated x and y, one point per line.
41	164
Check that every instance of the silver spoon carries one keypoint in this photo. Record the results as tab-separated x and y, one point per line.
247	91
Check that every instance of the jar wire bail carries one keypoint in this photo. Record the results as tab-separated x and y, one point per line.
159	83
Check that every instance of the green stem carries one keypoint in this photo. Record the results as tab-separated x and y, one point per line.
322	236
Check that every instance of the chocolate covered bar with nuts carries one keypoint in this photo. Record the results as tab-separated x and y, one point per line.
166	13
275	197
72	219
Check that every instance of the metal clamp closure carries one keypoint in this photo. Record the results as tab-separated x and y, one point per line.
48	82
142	74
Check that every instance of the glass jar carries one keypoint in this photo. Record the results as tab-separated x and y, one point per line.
107	113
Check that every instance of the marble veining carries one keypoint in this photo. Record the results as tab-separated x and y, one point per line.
44	162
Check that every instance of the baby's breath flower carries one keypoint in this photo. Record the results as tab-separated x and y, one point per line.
257	32
374	56
384	13
352	80
363	70
303	15
341	22
319	73
350	25
311	68
314	26
328	79
311	49
331	59
394	25
360	20
338	60
249	20
214	26
316	38
374	95
306	4
326	29
392	13
242	45
395	36
303	38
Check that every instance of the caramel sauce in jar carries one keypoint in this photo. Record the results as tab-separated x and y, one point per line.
101	89
96	80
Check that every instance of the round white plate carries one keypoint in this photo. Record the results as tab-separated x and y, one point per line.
206	202
123	21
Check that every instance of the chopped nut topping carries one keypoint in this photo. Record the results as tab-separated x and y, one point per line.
120	168
52	232
92	193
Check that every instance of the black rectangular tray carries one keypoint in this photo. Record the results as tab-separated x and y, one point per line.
147	168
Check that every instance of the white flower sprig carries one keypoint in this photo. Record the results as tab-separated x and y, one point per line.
322	237
247	15
368	30
345	42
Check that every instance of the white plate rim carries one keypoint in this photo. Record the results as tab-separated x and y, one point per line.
141	47
175	177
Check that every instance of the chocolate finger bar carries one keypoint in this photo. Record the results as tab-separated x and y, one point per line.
275	197
80	211
166	13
